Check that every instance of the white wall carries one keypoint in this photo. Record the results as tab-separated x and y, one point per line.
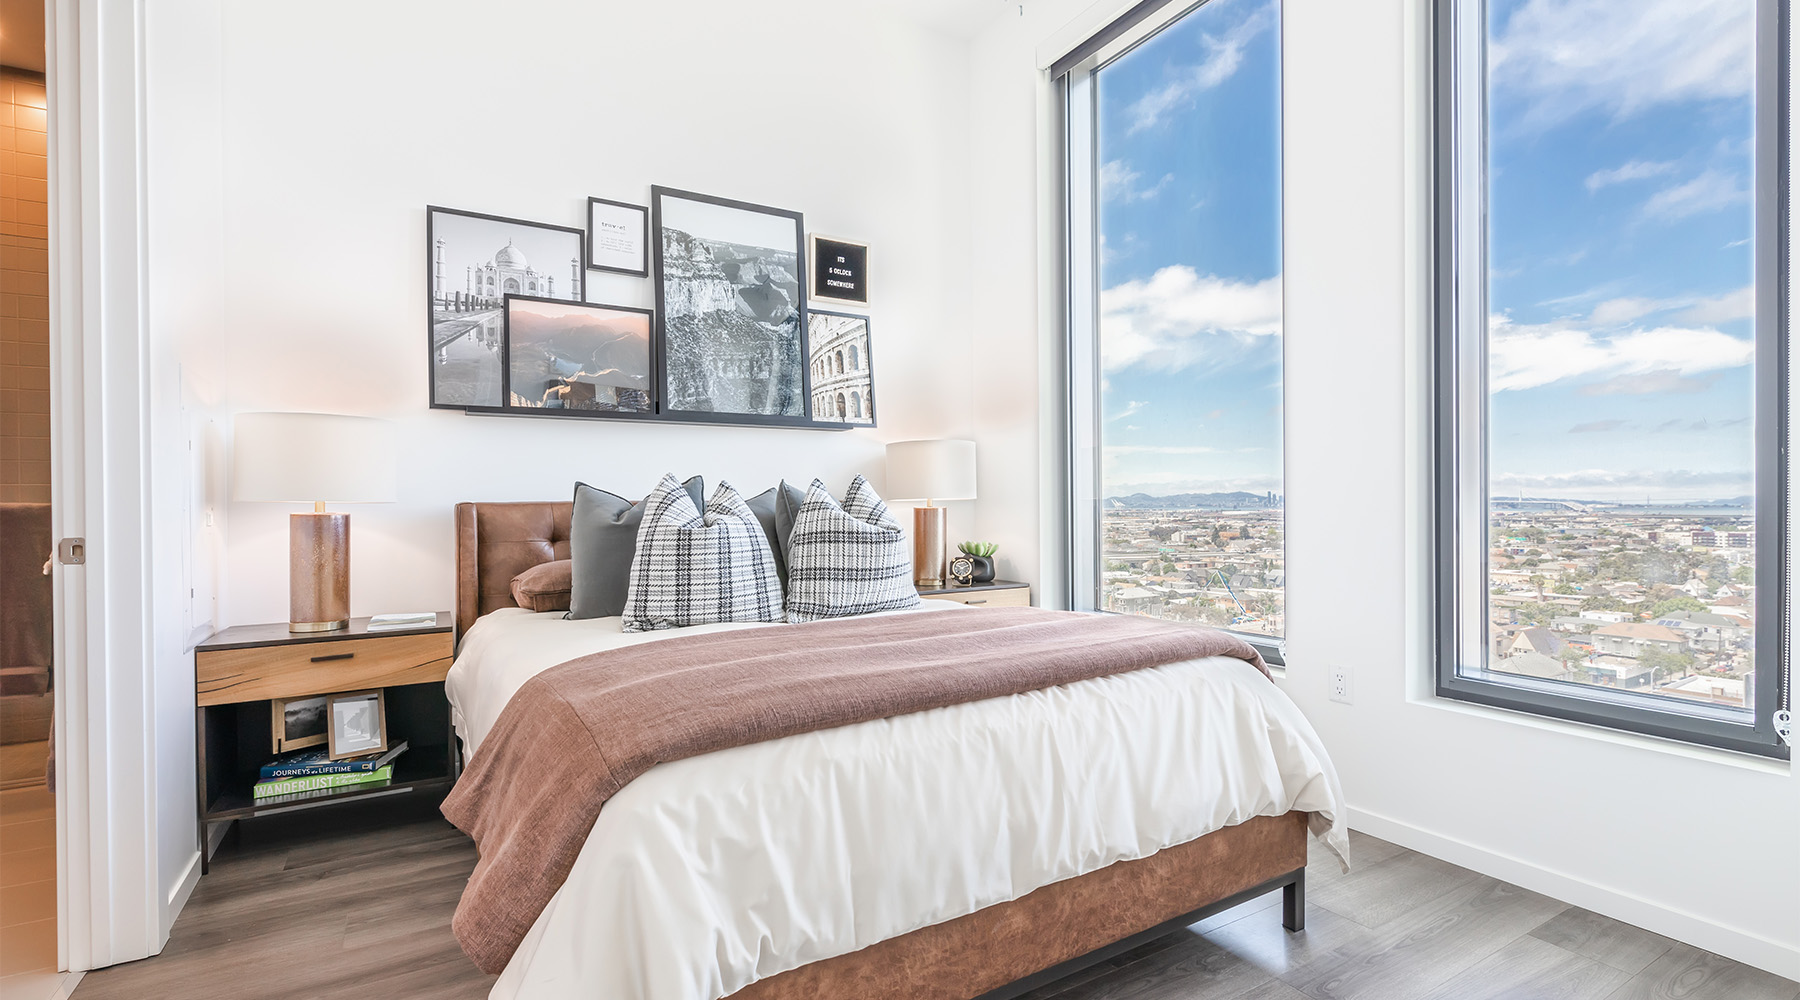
1695	845
342	120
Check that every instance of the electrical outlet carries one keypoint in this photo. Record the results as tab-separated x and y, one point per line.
1340	684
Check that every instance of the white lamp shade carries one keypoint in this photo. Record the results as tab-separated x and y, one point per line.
311	457
931	470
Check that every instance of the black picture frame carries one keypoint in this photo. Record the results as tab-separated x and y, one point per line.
643	268
857	359
481	315
672	400
508	374
835	263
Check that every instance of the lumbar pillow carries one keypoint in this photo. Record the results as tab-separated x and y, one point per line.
544	587
603	534
847	560
697	569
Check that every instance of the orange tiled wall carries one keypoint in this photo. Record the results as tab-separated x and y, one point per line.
24	291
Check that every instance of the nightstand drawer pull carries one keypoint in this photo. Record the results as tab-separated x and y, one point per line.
972	601
334	656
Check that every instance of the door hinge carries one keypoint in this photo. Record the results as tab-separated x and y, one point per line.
72	551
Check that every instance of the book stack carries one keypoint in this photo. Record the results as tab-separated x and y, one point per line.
305	771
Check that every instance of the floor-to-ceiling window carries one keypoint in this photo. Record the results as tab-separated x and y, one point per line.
1609	362
1174	171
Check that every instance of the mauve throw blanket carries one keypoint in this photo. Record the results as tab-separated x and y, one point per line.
575	734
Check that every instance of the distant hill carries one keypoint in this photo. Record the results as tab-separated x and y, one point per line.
1191	501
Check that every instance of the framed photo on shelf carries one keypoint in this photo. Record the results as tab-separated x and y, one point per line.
842	376
356	723
618	237
568	358
730	317
296	723
840	270
473	262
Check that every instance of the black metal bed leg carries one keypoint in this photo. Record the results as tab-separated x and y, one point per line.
1293	902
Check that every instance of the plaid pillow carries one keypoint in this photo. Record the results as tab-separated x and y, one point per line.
694	569
848	560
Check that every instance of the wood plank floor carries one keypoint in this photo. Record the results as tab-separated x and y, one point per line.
356	903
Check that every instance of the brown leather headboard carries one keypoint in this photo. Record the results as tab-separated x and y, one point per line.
496	542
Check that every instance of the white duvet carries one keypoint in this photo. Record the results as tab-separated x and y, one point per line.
704	875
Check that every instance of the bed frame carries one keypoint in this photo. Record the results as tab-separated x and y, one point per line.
992	954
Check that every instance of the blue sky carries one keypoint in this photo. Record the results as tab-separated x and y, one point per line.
1190	221
1620	261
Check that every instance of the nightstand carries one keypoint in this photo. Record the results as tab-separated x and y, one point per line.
998	594
238	671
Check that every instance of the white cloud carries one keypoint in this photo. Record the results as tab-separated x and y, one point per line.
1528	356
1626	484
1564	57
1708	192
1131	407
1224	54
1636	170
1659	381
1597	427
1179	317
1739	304
1152	449
1119	182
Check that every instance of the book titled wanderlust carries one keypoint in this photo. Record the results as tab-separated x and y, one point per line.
315	782
306	763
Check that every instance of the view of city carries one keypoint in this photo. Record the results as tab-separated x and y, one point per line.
1656	599
1218	566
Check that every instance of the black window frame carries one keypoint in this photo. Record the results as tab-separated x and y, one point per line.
1081	293
1711	726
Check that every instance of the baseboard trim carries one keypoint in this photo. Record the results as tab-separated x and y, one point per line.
178	897
1734	943
70	980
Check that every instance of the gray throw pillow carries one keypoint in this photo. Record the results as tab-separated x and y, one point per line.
602	540
788	499
766	507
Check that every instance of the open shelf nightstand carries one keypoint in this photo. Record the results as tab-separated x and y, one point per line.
238	671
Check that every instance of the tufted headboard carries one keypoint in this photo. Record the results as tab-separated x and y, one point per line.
496	542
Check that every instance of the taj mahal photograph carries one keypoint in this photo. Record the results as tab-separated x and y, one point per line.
475	262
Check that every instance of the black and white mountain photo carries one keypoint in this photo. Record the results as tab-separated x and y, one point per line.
476	261
572	356
729	292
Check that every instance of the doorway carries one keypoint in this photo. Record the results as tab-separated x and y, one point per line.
28	869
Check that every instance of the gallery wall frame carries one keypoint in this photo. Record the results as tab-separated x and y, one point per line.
731	316
840	270
463	327
578	359
847	394
618	237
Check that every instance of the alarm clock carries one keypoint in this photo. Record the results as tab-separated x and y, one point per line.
962	571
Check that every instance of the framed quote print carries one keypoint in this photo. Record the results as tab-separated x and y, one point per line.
618	237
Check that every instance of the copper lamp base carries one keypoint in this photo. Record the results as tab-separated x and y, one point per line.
930	547
318	572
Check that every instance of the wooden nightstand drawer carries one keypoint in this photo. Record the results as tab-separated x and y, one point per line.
257	673
989	595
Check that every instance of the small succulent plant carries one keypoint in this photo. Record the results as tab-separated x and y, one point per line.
983	549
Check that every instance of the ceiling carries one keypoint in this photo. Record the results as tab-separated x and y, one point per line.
22	34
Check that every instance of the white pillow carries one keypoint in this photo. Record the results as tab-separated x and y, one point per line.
847	560
695	569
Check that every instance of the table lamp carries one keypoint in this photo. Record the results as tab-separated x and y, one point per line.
930	470
314	458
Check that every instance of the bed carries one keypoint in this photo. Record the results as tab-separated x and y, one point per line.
976	850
